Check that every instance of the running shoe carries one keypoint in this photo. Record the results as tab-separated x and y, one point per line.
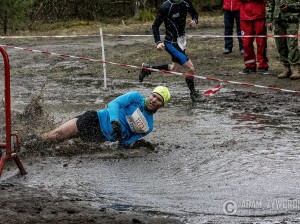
144	72
196	97
247	70
227	51
264	71
34	141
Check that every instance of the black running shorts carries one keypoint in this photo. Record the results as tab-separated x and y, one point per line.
89	127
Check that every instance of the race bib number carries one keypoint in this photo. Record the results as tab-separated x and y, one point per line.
181	41
137	122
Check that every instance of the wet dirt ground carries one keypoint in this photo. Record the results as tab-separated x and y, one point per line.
234	158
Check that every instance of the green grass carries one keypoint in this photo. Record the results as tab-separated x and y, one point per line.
146	15
142	24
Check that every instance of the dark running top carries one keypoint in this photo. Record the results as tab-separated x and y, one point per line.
173	15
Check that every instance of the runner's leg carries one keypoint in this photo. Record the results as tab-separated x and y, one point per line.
66	130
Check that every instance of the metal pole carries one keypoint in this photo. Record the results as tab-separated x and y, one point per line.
7	101
18	163
103	59
2	164
8	143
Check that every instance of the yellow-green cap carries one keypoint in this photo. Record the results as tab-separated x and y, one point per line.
164	93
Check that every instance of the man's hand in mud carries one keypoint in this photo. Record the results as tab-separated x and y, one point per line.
142	143
117	131
160	47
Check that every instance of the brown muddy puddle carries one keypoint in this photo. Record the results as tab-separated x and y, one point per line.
206	154
234	158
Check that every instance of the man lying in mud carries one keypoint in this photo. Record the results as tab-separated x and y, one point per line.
128	118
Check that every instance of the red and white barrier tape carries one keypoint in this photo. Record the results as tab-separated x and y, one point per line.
213	91
125	35
155	70
58	36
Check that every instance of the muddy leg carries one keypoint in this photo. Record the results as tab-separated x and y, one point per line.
190	80
66	130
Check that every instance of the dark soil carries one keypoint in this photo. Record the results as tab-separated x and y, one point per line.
20	204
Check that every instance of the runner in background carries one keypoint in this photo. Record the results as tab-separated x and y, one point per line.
284	15
173	14
253	22
231	10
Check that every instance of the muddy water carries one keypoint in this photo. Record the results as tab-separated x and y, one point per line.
232	159
205	157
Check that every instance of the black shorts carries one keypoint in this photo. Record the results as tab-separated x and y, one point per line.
89	127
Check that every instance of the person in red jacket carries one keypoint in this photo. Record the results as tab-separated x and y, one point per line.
253	23
231	10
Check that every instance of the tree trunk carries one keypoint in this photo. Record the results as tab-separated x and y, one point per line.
200	6
5	23
136	8
156	4
76	12
34	16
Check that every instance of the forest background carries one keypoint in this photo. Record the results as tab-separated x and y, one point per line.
20	15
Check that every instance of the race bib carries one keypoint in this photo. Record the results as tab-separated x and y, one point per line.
181	41
137	122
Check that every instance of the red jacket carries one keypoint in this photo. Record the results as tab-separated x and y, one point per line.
252	9
231	5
